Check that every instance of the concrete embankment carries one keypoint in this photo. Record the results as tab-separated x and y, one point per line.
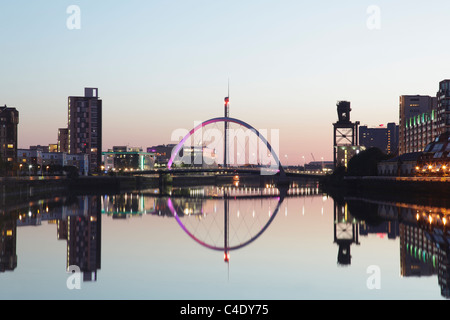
20	189
404	186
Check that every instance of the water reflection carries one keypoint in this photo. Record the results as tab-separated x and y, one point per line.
226	223
422	231
78	222
221	218
227	218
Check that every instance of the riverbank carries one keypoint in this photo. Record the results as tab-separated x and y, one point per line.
23	189
20	189
404	188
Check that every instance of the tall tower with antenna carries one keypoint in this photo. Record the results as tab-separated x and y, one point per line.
227	114
346	143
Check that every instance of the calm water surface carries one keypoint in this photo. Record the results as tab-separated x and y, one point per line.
223	243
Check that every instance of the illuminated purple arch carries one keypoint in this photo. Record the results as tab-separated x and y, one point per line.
176	150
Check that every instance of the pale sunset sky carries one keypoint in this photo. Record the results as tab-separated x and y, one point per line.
163	65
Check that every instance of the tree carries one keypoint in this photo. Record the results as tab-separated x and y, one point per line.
366	162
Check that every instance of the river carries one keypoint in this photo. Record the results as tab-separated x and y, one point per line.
223	242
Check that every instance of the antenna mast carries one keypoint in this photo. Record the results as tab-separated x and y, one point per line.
227	115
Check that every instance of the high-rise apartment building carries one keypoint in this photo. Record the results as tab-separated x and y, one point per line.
443	108
9	120
63	140
85	127
417	122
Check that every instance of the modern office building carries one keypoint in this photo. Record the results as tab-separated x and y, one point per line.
382	137
9	120
39	161
52	147
196	156
30	161
128	159
417	122
85	127
162	153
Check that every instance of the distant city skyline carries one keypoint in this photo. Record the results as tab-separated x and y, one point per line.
160	66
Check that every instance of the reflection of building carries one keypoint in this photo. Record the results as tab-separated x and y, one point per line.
424	240
8	239
345	135
346	232
122	206
128	205
83	235
416	252
78	222
85	127
387	228
127	158
9	120
383	138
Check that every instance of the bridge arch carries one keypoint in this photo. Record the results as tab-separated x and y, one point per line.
177	149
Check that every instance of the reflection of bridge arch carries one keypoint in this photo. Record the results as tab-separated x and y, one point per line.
177	149
225	247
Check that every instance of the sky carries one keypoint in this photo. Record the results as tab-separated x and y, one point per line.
164	65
